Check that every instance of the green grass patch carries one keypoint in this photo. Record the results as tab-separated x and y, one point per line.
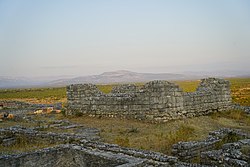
230	138
38	93
236	115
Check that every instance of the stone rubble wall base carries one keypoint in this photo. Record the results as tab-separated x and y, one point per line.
215	149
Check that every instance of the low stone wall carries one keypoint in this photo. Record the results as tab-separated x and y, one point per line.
19	108
71	155
9	135
246	109
156	101
65	156
207	151
231	154
14	104
85	152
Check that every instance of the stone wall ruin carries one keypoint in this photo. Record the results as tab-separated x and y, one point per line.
79	151
156	101
224	146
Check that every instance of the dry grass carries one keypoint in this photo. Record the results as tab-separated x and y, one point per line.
234	115
148	136
9	123
240	89
188	86
155	137
23	144
35	95
160	137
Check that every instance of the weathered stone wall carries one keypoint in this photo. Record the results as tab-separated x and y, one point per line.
156	101
187	151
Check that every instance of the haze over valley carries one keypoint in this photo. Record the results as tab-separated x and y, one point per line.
120	76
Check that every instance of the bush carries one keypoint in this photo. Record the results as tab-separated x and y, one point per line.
78	114
63	111
183	133
230	138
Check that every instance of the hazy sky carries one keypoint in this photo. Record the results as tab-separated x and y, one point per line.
56	37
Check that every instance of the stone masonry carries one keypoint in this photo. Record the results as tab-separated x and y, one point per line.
223	146
156	101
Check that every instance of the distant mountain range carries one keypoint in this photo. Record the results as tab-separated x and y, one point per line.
120	76
15	82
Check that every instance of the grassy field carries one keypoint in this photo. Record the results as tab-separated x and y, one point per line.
35	95
240	88
141	135
23	144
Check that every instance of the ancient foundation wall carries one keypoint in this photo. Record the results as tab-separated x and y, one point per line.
213	151
194	150
63	156
13	104
156	101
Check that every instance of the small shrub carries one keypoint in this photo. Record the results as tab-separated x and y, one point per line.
215	115
181	134
236	114
230	138
22	141
78	114
63	111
